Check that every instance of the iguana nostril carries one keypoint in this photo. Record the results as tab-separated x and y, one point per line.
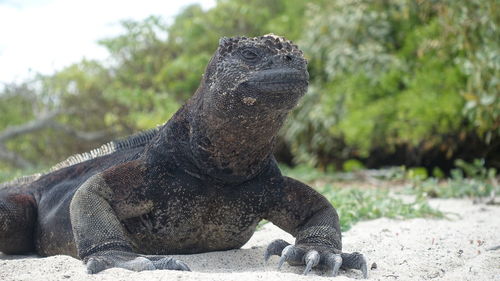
288	58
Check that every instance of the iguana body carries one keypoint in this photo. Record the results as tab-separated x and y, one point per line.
199	183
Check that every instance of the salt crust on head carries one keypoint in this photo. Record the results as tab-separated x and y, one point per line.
228	45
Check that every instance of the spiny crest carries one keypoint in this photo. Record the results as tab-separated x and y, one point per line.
132	141
21	181
273	42
108	148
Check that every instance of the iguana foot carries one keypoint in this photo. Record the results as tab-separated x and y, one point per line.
312	256
131	261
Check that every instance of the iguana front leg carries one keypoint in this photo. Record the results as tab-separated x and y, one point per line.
313	221
99	235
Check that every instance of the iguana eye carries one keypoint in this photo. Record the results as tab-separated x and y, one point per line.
249	55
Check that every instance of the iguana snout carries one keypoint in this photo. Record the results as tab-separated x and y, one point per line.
280	80
267	74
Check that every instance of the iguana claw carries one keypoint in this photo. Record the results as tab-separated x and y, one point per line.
311	259
355	260
334	261
275	248
285	254
312	256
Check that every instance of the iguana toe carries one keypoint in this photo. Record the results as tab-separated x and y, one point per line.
334	262
355	260
311	259
171	264
98	264
94	265
132	261
275	248
137	264
293	255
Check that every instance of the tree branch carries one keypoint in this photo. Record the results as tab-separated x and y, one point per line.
26	128
84	136
46	121
14	158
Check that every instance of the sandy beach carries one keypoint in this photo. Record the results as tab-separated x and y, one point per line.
455	248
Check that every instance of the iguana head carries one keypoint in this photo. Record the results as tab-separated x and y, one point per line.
254	75
249	86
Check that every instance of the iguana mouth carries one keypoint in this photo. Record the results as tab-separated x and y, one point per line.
279	87
279	80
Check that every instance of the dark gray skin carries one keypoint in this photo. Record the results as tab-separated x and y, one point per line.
201	182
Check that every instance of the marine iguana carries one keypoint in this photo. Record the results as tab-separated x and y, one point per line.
201	182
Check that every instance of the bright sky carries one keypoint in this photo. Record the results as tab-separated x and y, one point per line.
46	35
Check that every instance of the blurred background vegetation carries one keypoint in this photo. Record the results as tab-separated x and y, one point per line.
393	83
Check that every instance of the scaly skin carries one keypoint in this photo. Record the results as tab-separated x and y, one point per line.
201	182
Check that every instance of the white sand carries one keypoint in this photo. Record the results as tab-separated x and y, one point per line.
417	249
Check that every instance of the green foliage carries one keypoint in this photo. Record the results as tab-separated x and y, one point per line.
438	173
417	173
475	170
306	173
16	105
474	28
352	165
384	74
468	180
456	187
354	205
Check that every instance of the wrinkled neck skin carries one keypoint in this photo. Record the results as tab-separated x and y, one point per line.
227	131
232	147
